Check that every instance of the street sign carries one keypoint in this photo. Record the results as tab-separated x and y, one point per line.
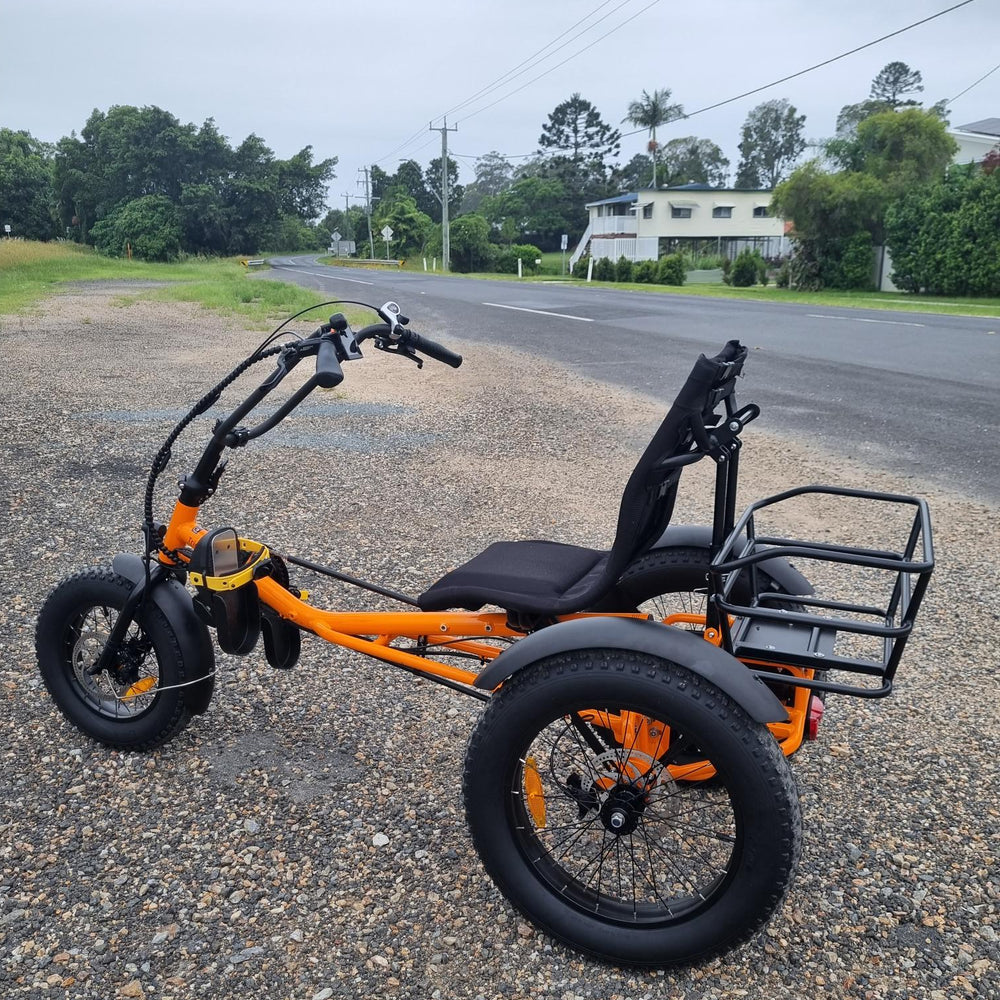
6	228
565	242
335	237
387	232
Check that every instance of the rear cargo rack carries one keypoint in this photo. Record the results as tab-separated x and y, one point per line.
808	632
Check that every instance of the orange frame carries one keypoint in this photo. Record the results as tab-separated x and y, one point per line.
459	630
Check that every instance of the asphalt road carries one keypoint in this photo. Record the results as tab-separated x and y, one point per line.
913	392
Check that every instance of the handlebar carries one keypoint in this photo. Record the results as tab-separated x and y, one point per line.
328	370
431	348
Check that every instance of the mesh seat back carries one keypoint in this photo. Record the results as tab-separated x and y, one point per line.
648	500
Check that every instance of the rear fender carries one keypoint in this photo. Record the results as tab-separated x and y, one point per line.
699	536
640	636
176	605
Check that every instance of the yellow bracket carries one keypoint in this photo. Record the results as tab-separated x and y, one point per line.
259	554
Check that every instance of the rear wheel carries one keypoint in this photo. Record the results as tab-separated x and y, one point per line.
584	805
675	580
134	704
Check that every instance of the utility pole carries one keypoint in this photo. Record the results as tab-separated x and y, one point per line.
445	229
368	212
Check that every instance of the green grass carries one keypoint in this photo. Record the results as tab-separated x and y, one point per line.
30	272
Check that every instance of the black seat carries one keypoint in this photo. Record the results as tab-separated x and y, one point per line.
549	578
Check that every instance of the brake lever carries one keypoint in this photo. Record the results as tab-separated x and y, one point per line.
382	344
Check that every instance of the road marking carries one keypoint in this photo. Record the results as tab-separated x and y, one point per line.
539	312
325	274
862	319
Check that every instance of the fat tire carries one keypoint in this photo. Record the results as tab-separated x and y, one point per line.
168	712
758	780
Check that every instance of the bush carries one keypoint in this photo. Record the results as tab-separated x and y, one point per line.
624	269
150	225
727	271
855	266
645	272
507	257
746	269
670	270
604	269
580	267
783	279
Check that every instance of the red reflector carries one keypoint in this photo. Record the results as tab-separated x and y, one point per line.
814	717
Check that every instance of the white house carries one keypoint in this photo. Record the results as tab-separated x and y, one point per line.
719	220
976	139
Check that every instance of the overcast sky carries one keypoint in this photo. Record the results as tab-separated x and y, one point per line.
358	80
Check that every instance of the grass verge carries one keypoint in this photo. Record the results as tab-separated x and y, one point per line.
30	272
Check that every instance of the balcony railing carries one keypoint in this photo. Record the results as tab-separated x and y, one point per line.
614	225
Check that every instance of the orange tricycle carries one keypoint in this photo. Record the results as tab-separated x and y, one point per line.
627	785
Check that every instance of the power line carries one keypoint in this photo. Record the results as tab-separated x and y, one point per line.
825	62
532	61
552	69
971	85
511	74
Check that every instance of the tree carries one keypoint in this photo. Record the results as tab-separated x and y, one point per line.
634	174
651	111
691	159
301	185
432	177
534	210
890	84
575	130
945	237
26	202
893	81
771	141
493	175
410	227
470	243
902	148
149	225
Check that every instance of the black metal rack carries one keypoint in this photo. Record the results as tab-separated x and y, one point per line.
804	632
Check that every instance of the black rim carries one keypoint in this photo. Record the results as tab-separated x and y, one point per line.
619	837
129	689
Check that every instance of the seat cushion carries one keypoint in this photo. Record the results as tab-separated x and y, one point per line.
536	577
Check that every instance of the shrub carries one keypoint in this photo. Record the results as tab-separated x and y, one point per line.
783	278
150	225
604	269
670	270
854	269
507	257
624	269
645	272
727	271
746	269
579	269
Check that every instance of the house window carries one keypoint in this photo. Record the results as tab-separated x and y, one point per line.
760	212
647	211
679	213
722	212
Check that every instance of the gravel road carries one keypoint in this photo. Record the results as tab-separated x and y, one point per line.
305	839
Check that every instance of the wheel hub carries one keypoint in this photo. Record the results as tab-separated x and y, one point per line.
622	809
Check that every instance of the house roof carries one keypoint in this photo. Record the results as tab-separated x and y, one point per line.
986	126
622	199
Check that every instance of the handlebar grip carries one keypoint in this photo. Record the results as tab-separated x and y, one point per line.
432	349
328	370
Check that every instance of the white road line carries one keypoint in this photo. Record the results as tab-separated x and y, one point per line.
862	319
326	274
539	312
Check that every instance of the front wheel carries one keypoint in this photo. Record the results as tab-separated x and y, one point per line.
138	702
582	795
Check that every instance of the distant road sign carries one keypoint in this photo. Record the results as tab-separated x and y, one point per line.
335	237
565	242
387	232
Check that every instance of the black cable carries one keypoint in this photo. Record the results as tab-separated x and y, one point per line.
825	62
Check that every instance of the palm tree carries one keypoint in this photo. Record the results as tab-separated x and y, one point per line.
652	110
